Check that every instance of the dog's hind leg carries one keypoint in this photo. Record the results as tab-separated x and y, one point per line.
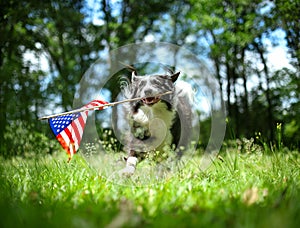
183	106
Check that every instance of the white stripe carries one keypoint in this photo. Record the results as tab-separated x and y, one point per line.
71	149
68	141
93	104
65	137
78	125
84	116
73	135
76	147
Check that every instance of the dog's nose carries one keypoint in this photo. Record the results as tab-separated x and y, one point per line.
148	92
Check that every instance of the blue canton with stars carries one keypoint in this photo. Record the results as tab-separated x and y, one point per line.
58	124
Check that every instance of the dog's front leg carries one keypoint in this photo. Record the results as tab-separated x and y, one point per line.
140	130
131	163
140	125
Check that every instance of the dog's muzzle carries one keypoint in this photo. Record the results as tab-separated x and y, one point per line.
150	100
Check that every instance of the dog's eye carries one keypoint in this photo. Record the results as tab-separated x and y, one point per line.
142	84
165	77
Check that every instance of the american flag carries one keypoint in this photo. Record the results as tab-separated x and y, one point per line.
68	129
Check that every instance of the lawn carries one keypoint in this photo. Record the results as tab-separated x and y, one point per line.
253	188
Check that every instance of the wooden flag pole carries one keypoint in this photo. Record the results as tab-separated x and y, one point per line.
100	106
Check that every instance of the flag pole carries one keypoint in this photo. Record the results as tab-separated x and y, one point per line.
100	106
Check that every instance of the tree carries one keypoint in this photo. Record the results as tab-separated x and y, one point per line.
230	29
126	22
20	79
61	31
52	27
287	12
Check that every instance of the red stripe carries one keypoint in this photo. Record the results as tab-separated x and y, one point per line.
69	134
96	103
75	132
63	143
72	131
81	121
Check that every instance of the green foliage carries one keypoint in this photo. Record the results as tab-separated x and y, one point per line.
250	189
21	139
287	13
291	132
109	141
232	34
29	30
234	30
249	185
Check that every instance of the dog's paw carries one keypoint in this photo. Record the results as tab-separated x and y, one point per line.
140	117
131	163
140	132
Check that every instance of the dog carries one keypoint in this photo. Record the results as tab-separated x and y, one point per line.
157	123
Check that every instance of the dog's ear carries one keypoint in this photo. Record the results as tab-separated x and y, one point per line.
175	76
133	76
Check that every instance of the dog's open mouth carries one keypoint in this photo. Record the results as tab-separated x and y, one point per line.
150	100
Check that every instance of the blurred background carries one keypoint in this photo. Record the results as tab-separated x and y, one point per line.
251	47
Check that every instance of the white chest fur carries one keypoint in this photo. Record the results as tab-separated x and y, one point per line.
160	111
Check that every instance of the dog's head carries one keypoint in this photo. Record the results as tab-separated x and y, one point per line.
150	86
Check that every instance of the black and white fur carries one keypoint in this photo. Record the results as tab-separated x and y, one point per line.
157	122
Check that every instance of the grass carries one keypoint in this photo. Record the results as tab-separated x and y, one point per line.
256	188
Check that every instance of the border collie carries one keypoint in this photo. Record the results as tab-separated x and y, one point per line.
157	123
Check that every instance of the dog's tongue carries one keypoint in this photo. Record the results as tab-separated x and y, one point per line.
150	100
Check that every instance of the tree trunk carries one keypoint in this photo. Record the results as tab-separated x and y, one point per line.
268	92
236	106
228	90
246	95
